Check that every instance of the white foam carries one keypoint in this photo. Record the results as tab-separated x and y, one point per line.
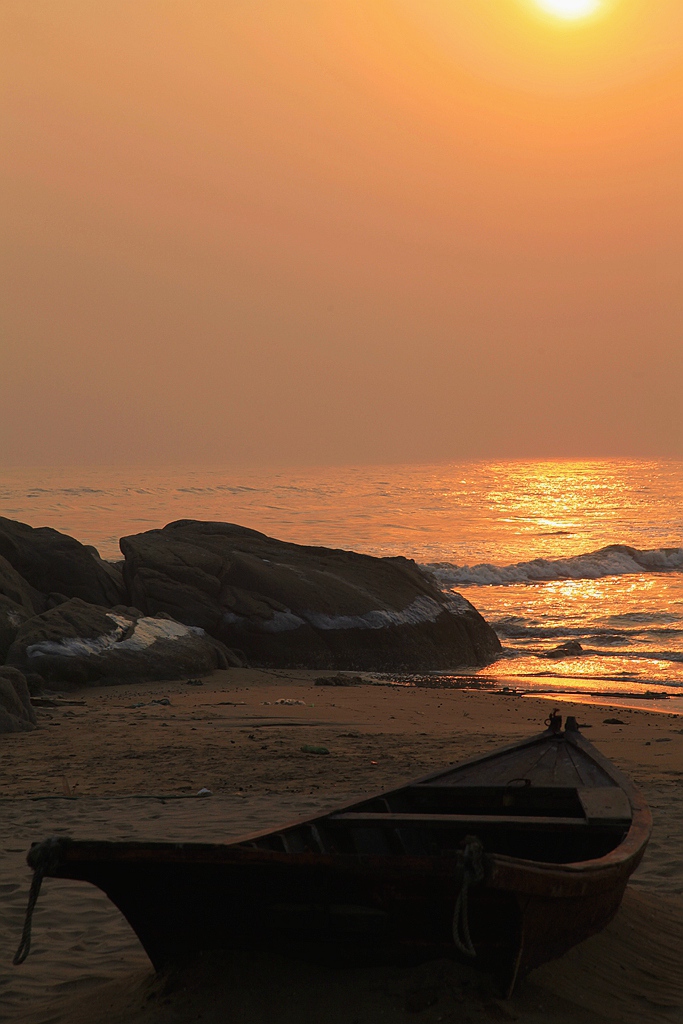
422	609
281	622
615	560
147	632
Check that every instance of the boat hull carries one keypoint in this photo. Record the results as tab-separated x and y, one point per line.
559	830
191	898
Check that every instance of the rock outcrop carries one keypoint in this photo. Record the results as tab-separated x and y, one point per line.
53	563
569	649
14	587
12	615
288	605
18	602
75	644
16	713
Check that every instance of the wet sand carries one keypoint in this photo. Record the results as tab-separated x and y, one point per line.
110	764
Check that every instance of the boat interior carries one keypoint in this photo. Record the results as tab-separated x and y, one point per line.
541	803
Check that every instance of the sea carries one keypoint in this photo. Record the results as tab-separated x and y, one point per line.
548	551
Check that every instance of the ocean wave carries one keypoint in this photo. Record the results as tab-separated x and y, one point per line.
671	657
613	560
635	685
517	628
645	619
674	656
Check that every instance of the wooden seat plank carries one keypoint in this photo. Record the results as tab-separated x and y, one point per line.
372	819
608	803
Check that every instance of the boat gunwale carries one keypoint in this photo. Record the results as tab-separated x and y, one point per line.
503	872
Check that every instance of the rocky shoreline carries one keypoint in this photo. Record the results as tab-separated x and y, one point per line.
197	596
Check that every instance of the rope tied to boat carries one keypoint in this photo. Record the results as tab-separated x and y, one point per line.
43	857
470	861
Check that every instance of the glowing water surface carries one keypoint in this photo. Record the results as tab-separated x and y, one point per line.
521	540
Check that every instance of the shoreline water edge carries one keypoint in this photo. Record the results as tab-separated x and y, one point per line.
577	566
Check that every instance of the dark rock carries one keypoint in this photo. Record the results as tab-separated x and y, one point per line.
569	649
16	713
613	721
15	587
18	602
305	607
12	615
339	680
35	682
114	570
131	613
53	563
78	643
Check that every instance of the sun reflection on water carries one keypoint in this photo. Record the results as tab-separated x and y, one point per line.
495	514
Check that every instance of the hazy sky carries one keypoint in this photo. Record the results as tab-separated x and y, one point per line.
252	231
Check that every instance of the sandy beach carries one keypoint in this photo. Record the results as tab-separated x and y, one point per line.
114	763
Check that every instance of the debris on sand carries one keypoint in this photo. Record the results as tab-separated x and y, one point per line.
341	679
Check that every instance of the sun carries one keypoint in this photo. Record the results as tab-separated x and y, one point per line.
569	9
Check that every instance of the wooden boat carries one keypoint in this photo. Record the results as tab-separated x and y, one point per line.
508	860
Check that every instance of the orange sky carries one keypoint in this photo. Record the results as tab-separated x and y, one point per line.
253	231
